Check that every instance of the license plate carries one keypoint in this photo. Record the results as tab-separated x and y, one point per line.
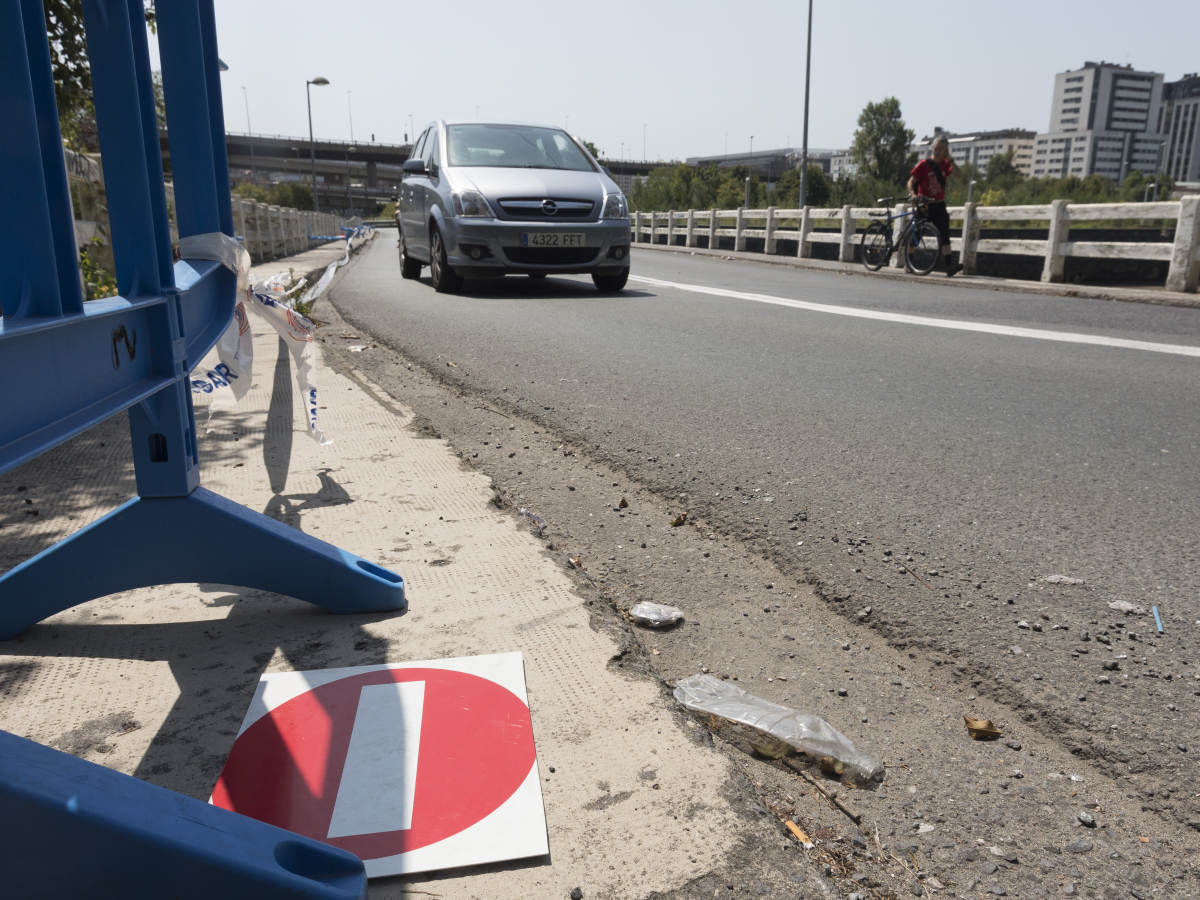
553	239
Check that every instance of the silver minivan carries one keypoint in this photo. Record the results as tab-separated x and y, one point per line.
484	199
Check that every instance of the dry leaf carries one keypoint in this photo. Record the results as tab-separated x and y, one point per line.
1143	839
981	729
679	519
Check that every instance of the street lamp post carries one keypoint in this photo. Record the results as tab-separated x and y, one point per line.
249	131
643	141
804	149
312	147
350	113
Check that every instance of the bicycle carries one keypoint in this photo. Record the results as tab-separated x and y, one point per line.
919	244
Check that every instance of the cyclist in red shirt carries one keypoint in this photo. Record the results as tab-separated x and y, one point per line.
928	181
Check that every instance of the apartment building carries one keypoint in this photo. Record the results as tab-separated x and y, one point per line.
980	147
1104	120
1177	123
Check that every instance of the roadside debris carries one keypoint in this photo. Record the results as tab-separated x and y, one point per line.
655	615
679	519
981	729
1124	606
539	524
803	838
776	732
1157	619
1061	579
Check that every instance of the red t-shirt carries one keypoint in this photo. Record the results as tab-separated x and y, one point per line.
927	181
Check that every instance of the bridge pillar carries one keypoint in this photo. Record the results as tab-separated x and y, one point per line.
372	175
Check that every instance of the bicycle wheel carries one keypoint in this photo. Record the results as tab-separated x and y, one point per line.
875	246
922	247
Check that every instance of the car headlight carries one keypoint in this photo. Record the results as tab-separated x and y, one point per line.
471	204
615	207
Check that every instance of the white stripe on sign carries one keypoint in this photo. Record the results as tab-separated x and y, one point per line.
380	774
1068	337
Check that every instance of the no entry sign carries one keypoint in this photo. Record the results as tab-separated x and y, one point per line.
411	766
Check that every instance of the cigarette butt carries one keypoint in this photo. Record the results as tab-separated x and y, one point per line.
799	833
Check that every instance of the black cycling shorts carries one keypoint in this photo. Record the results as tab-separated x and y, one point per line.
936	213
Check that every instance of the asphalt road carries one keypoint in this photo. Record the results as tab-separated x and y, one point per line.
929	451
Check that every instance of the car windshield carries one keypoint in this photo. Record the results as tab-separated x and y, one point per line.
514	146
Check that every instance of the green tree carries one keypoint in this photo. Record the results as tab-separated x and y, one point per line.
882	142
72	72
1001	171
818	191
592	149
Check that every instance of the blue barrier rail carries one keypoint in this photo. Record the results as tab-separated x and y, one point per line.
66	365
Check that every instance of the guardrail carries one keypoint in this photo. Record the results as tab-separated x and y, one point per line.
687	228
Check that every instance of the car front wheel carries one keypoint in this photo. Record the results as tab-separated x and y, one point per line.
409	267
445	280
610	284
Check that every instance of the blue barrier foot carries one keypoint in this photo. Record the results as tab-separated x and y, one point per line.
202	537
70	828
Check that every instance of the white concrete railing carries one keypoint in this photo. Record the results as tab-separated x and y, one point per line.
1183	255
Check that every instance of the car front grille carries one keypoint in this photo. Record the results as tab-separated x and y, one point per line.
551	256
534	209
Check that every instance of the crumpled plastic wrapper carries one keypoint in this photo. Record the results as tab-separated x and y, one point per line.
775	731
655	615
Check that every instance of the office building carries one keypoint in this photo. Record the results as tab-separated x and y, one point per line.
1177	122
978	148
1104	120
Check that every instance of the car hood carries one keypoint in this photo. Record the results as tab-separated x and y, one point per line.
497	183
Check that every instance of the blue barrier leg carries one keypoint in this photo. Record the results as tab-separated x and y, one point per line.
70	828
202	537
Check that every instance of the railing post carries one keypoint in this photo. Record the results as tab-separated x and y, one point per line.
846	249
898	227
713	240
970	237
670	227
1060	224
690	239
1184	273
653	226
739	236
769	246
802	248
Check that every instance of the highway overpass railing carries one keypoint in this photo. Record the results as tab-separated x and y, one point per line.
840	226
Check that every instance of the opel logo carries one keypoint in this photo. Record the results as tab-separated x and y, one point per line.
549	207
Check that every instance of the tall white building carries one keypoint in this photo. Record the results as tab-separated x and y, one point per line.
980	147
1177	122
1104	120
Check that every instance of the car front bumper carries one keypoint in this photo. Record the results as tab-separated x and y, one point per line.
494	246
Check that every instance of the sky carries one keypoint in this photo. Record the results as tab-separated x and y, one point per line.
667	79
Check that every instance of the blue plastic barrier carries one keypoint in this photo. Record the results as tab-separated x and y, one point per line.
66	365
68	828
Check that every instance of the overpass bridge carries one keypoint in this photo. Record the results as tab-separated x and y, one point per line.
354	178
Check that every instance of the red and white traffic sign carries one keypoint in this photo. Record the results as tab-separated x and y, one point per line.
410	766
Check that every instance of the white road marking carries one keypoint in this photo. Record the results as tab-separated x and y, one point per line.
1038	334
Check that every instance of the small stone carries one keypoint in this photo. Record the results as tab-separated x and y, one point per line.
1015	650
576	894
1103	679
991	869
1013	745
1023	624
1112	666
997	890
1182	748
925	828
1081	846
1086	819
842	692
859	842
1069	889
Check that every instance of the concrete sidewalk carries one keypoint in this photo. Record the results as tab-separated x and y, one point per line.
155	682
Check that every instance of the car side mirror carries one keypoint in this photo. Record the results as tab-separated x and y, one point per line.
414	167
